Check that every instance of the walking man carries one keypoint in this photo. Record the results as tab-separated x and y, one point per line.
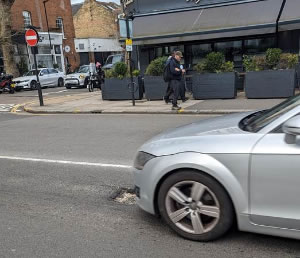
176	77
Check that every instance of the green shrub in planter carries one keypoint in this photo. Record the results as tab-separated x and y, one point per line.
120	70
155	86
288	61
214	62
156	67
270	76
273	57
215	78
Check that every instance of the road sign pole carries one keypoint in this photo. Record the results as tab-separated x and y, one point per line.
37	78
32	39
130	64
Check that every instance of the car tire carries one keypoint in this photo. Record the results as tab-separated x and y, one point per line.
33	85
68	87
199	219
60	82
85	84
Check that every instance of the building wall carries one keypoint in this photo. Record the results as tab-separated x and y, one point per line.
94	20
55	9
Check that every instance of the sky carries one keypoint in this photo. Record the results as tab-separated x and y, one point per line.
80	1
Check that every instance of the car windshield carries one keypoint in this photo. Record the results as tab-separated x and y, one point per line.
84	69
31	73
113	59
257	121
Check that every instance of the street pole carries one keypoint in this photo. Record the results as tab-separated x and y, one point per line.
37	78
50	43
129	56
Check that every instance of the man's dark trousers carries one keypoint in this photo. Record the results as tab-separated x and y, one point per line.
175	87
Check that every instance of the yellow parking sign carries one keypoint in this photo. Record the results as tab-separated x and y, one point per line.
128	42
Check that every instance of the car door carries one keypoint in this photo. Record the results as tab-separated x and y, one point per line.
44	77
275	182
53	77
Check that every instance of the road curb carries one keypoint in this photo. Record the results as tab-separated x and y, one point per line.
150	112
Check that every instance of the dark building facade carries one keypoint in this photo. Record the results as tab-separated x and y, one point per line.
197	27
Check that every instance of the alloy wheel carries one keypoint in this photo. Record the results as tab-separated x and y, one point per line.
192	207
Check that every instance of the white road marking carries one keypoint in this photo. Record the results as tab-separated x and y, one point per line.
55	92
81	163
6	107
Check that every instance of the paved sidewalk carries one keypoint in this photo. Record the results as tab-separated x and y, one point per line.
93	103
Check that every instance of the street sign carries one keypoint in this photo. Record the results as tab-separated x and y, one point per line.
129	45
31	37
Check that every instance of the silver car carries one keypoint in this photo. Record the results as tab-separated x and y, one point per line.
241	168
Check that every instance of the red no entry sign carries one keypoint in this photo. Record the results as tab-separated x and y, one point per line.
31	37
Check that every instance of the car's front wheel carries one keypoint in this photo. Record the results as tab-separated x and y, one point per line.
195	206
33	85
60	82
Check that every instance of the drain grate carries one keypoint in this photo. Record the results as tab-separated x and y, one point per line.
125	196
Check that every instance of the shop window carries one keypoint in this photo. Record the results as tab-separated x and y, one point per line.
158	52
232	49
199	52
259	46
44	50
27	19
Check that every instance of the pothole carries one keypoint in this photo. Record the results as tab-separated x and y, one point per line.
124	196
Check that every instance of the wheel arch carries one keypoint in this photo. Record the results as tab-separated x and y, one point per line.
231	185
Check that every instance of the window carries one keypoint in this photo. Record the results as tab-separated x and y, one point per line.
199	52
27	19
59	23
259	46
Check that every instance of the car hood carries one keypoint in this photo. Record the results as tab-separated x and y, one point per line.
75	75
25	78
214	135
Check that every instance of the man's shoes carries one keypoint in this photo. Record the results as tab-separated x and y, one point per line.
176	108
167	100
185	99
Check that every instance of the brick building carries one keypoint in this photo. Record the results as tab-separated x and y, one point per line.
62	34
96	30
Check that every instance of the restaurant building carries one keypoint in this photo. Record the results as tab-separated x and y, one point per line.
197	27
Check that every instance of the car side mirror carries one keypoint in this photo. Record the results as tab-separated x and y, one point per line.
291	128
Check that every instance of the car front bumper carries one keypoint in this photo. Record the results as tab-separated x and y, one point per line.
74	82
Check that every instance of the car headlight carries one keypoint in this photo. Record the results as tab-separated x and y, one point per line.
81	76
141	159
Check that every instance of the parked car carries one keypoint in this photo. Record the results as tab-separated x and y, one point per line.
49	77
112	60
238	169
79	78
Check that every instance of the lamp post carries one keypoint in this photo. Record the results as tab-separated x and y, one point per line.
50	43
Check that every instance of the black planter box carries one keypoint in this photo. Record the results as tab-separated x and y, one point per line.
116	89
155	87
270	84
214	86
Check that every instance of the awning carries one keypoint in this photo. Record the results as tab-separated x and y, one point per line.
218	22
290	18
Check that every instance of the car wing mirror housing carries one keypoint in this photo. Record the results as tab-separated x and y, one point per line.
291	128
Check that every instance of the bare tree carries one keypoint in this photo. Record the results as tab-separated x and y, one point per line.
6	37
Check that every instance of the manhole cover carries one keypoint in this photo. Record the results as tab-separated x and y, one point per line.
124	196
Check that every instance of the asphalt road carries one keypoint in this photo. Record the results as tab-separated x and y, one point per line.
53	209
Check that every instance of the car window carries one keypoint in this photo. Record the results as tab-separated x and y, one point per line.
52	71
109	60
83	69
31	73
44	72
117	59
257	121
